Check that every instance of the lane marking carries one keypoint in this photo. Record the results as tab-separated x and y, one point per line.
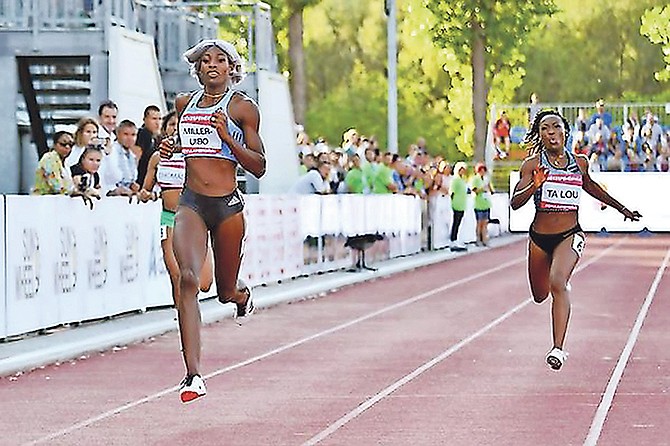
610	390
162	393
332	428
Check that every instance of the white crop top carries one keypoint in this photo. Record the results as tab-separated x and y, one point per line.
171	173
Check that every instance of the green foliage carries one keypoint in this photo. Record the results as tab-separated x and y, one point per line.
585	50
346	53
656	26
591	49
505	24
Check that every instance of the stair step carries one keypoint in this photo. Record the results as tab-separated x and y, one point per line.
63	91
73	107
61	76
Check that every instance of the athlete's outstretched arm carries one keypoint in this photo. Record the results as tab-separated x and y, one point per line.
596	191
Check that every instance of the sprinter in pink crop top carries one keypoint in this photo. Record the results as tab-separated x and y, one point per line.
554	177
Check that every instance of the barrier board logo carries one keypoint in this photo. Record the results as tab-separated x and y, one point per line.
156	262
130	260
28	271
66	265
97	266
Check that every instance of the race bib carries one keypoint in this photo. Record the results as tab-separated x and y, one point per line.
561	192
197	134
578	243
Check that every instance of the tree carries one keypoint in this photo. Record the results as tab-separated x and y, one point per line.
592	49
486	34
656	26
296	53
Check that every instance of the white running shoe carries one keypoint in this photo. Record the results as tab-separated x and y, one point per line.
556	358
191	388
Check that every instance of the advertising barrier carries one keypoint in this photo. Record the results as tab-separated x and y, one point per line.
441	217
3	287
641	191
67	263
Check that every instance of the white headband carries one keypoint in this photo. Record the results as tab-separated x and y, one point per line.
551	115
193	55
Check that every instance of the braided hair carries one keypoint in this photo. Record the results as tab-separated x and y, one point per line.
532	140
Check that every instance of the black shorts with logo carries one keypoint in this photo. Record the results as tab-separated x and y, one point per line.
212	210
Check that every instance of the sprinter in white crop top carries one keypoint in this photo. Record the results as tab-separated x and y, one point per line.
555	178
218	129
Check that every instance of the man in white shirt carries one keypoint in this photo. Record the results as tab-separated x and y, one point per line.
107	113
120	173
314	181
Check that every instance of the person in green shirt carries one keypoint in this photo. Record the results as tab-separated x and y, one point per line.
481	186
354	179
459	195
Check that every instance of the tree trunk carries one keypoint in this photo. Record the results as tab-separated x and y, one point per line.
297	60
479	91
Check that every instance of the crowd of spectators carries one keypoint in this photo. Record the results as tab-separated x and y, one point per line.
101	157
358	165
634	145
637	145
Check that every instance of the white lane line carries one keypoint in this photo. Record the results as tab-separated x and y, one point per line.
132	404
610	390
426	366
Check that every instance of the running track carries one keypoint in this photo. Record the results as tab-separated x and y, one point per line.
449	354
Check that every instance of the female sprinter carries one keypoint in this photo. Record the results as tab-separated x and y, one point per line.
554	177
169	175
218	129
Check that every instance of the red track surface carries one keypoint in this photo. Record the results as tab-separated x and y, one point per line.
435	356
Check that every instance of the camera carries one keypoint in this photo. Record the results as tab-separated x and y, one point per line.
85	182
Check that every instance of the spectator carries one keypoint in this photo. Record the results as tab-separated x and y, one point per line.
615	162
85	175
598	127
481	186
459	195
501	131
397	166
308	162
354	178
120	173
350	141
381	179
662	163
652	134
601	114
107	113
630	130
421	144
534	106
87	130
147	138
51	176
581	124
634	160
305	146
314	181
579	143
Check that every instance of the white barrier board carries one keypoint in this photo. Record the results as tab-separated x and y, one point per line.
3	301
641	191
